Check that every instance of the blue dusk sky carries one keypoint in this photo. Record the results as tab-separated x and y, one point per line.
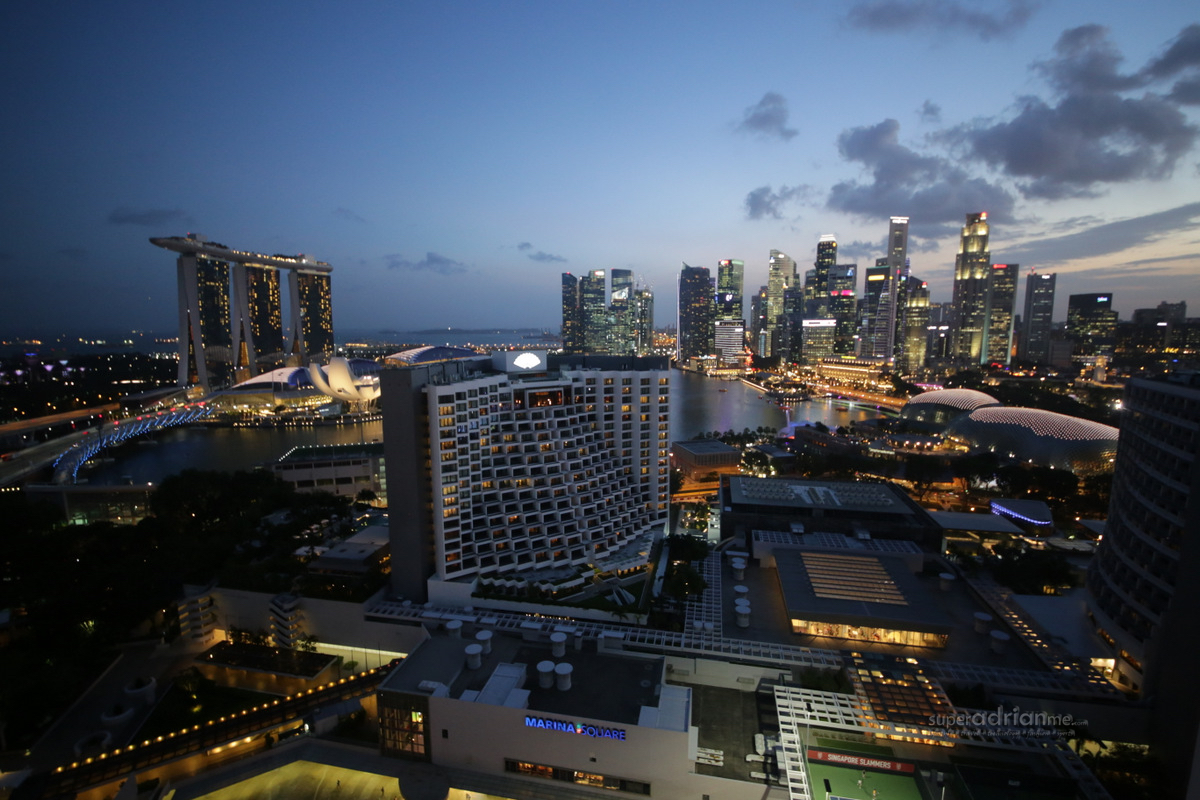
450	159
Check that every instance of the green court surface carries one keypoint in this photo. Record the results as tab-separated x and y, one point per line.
843	782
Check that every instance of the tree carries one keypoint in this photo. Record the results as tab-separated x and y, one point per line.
922	472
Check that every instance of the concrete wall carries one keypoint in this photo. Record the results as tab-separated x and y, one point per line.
704	672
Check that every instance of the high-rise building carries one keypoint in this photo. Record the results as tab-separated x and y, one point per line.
593	311
1142	583
730	341
312	305
572	316
912	341
620	314
876	311
695	329
841	286
257	319
1091	323
999	319
759	338
522	467
1037	321
643	321
781	273
819	339
972	268
730	289
228	331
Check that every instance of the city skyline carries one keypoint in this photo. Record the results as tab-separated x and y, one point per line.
448	162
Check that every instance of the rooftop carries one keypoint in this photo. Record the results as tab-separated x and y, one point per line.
857	589
610	688
839	495
698	447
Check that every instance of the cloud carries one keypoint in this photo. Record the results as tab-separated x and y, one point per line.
931	190
345	213
1093	134
432	262
858	250
763	202
150	218
886	16
524	246
930	112
1105	239
546	257
768	117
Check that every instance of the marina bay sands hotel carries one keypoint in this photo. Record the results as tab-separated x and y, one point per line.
231	326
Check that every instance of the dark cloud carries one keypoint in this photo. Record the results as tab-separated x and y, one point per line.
1183	53
345	213
546	257
860	251
525	246
432	262
150	218
930	189
1093	134
1111	237
1186	92
886	16
763	202
930	112
768	117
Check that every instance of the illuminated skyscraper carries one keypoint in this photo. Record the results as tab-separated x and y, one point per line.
228	331
1037	320
620	314
257	319
912	339
841	285
312	316
643	321
1000	316
593	312
781	273
1091	323
730	289
972	268
695	329
572	320
877	304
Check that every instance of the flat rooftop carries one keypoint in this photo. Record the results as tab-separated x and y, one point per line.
979	523
857	589
611	688
800	494
704	447
332	452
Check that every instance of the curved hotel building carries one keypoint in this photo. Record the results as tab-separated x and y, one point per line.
232	330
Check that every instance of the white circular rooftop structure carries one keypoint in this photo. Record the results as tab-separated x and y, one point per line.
934	409
1041	437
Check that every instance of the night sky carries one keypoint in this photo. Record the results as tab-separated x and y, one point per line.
449	159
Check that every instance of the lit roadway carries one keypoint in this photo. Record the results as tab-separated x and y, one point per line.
872	398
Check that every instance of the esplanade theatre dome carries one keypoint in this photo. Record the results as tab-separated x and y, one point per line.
429	354
1043	437
935	409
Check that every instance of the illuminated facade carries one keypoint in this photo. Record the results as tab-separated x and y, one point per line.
1091	323
522	470
781	273
695	328
234	329
999	320
1039	437
972	268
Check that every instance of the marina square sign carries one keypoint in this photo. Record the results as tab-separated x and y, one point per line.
581	729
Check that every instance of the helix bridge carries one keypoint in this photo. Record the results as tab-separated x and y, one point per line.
66	466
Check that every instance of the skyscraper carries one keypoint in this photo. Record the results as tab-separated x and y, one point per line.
1037	319
257	319
1142	581
841	285
227	330
781	273
912	340
695	328
620	314
886	324
877	308
999	317
593	311
312	309
730	289
1091	323
572	316
643	321
972	266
